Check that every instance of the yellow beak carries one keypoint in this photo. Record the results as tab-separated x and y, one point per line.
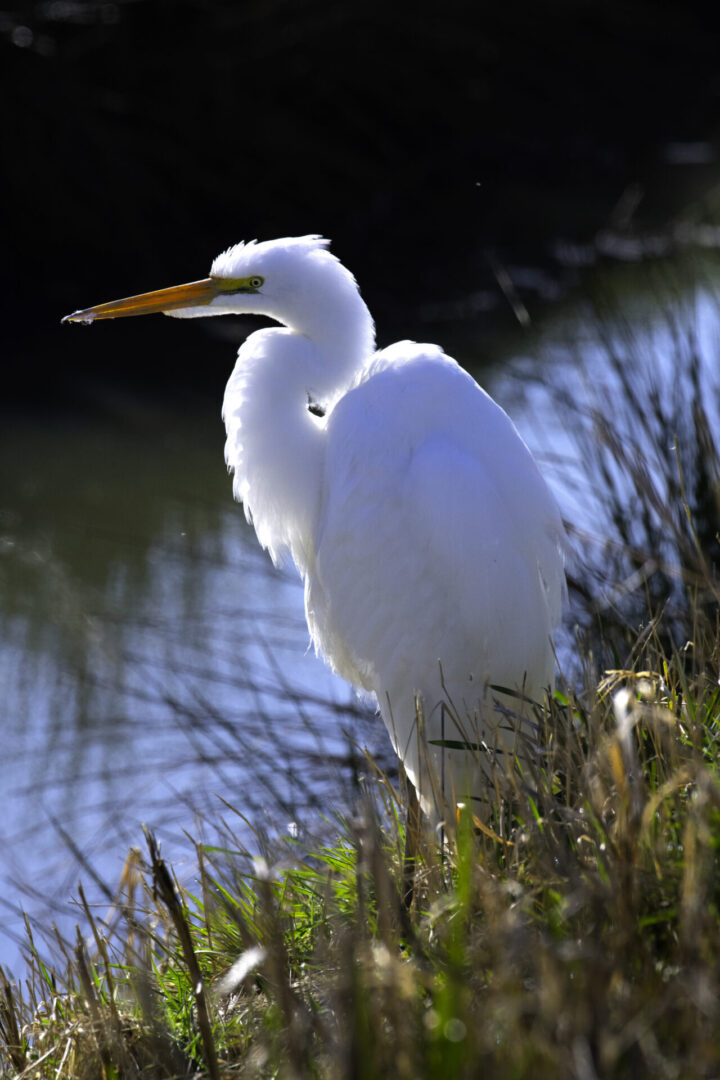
194	294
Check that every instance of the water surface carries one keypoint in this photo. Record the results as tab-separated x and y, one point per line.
152	659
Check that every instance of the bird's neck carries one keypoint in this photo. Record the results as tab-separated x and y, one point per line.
276	443
342	339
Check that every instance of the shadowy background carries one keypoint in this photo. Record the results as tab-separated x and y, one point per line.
436	144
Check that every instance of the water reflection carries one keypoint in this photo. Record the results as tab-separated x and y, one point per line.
621	399
151	657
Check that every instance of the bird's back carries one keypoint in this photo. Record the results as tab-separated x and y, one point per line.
438	567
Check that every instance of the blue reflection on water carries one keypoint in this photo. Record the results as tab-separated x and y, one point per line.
152	662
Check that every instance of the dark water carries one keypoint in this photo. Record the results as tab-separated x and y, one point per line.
152	659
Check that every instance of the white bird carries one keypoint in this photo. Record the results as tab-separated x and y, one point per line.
430	546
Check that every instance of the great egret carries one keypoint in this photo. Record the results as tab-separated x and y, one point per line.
429	543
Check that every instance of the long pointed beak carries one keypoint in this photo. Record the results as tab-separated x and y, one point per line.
194	294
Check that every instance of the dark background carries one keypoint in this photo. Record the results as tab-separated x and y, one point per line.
432	142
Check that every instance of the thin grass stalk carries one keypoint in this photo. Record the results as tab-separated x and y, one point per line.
165	890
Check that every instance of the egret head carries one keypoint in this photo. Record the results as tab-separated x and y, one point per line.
294	280
280	273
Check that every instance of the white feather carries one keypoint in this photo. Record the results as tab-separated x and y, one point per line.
430	545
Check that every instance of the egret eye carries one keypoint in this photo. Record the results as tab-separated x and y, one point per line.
256	282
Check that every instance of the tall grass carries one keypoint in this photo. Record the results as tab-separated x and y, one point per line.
641	415
579	939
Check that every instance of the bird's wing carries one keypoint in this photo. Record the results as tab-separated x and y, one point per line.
436	533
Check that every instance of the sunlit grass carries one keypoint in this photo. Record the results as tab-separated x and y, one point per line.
584	940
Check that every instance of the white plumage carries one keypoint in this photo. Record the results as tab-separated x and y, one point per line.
430	545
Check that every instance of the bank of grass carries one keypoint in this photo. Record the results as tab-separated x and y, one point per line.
576	936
